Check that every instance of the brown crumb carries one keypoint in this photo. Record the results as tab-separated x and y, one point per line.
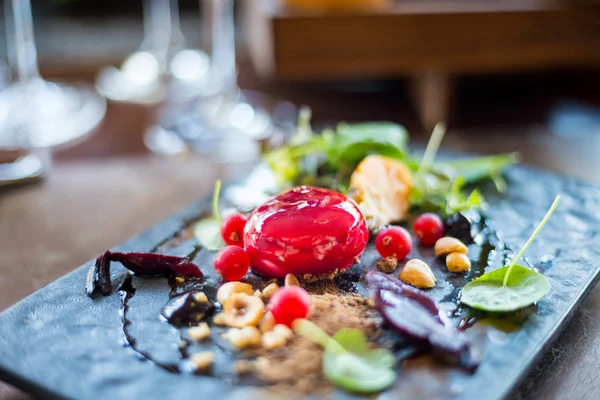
296	368
310	278
387	264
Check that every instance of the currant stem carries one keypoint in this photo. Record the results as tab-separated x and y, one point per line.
530	240
215	201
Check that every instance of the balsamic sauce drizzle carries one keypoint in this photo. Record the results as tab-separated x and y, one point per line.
126	292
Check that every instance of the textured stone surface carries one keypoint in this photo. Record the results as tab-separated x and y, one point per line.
58	342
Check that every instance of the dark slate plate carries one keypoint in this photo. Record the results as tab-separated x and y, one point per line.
57	343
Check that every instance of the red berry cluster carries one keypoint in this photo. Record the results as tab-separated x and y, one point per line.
232	262
395	241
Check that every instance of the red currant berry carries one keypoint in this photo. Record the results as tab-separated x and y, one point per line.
288	304
393	241
232	229
232	263
428	228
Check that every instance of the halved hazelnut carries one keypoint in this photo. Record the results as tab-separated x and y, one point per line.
248	336
458	262
267	323
272	340
199	332
417	274
229	288
219	319
243	310
447	245
284	331
270	290
202	360
291	280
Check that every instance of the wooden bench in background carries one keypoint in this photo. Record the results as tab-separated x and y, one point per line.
429	41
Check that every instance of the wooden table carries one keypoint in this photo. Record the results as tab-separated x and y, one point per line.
108	189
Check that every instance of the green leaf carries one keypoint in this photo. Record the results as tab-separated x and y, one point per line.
348	361
456	201
524	288
353	142
512	287
208	230
479	168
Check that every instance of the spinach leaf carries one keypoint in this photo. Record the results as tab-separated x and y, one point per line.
512	287
348	361
353	142
208	230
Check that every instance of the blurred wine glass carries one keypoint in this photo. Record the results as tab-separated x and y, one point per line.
4	75
36	115
228	124
164	68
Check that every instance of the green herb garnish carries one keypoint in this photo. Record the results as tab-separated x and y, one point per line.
511	287
328	160
348	361
208	230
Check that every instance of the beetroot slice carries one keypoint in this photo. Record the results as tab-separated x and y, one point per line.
413	314
144	264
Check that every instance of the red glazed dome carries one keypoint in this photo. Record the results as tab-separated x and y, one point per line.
305	230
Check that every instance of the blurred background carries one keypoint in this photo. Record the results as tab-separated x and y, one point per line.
141	105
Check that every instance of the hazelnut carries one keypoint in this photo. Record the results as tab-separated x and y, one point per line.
447	245
219	320
267	323
291	280
243	310
202	360
229	288
199	332
417	274
458	262
272	340
270	290
200	297
248	336
284	331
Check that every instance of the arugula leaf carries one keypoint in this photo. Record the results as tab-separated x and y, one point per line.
348	361
479	168
512	287
208	230
457	201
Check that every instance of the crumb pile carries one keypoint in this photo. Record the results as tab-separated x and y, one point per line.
297	367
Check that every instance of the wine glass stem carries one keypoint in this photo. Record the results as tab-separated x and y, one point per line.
224	41
162	26
24	59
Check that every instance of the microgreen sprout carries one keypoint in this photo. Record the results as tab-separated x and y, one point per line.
511	287
530	240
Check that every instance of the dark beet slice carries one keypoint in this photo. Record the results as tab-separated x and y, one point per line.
187	308
145	264
414	315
